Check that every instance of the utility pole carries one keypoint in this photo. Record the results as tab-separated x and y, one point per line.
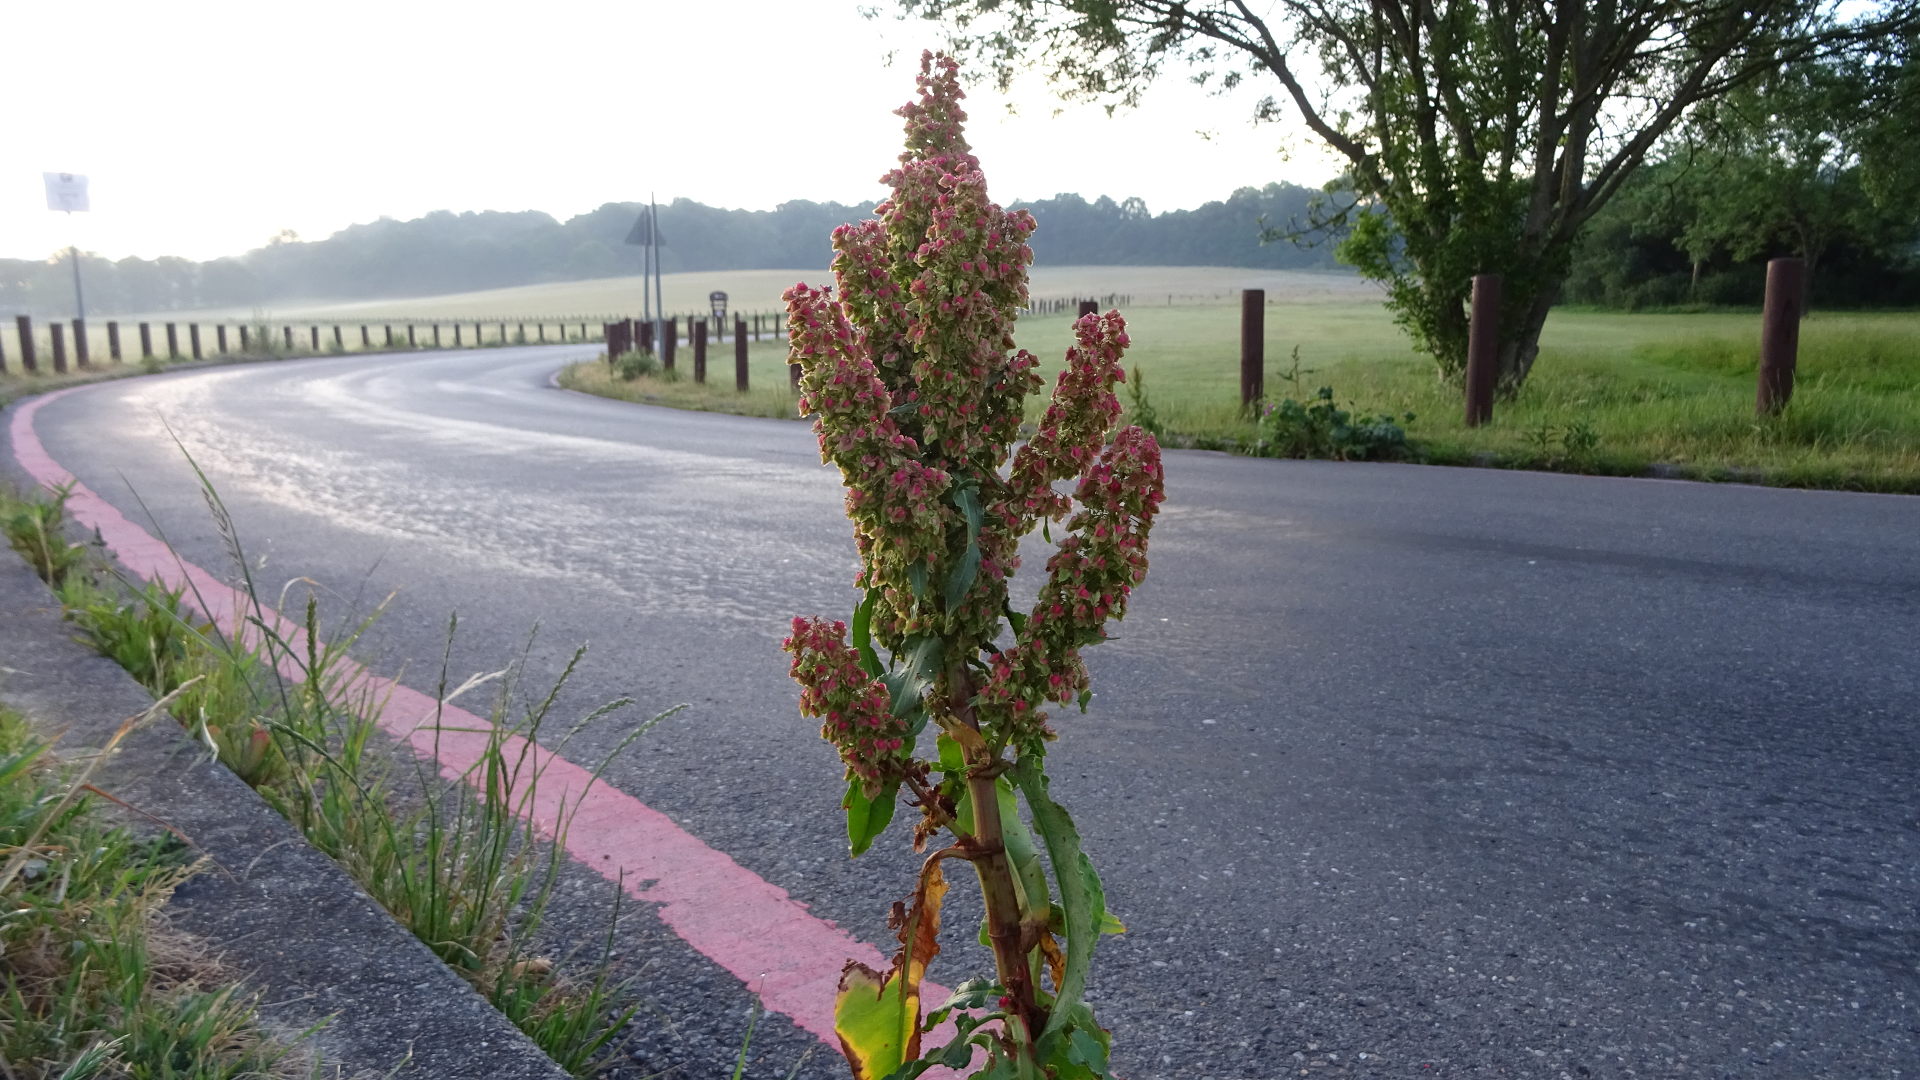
659	299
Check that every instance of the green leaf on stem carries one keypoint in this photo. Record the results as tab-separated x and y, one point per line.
1081	895
867	818
907	683
863	634
1028	876
952	758
917	579
964	571
961	579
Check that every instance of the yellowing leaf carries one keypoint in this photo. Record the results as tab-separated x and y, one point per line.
866	1016
877	1015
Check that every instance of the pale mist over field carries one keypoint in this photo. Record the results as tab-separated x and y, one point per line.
208	126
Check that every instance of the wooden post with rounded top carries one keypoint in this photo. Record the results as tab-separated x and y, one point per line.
1780	333
1253	346
740	355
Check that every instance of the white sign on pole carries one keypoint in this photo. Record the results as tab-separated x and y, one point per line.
66	191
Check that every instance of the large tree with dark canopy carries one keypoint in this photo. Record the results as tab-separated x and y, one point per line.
1479	135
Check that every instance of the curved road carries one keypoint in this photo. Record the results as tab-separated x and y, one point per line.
1392	771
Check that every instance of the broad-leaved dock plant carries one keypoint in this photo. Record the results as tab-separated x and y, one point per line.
909	369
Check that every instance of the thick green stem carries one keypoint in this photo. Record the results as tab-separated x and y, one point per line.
1005	929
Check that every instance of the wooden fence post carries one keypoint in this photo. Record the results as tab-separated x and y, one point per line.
1780	332
220	336
1483	348
700	350
113	341
1253	346
456	335
173	342
80	356
411	343
193	339
366	339
1087	307
740	355
59	341
436	333
338	342
286	335
669	341
24	326
313	338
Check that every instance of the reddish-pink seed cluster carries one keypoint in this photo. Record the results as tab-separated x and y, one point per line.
917	390
854	706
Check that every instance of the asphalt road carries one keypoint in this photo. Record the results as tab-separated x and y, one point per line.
1392	771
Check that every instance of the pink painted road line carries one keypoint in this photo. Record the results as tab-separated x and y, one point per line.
728	913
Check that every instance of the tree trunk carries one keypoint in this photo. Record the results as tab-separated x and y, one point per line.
1520	344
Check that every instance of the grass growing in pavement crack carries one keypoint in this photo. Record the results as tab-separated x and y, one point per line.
93	982
459	863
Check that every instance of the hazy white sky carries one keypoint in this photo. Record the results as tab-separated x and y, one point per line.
205	126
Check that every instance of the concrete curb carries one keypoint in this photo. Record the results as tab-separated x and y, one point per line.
288	918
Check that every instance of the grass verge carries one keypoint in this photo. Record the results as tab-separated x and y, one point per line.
1612	394
459	863
768	396
93	982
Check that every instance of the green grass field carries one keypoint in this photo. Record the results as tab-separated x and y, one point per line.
1670	390
1666	393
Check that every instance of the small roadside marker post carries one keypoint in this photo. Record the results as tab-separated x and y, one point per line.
1253	346
1780	333
113	341
1483	348
700	350
23	325
740	355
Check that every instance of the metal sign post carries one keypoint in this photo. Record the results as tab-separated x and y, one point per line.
717	301
67	192
646	233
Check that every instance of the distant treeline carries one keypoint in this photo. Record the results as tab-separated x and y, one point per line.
445	252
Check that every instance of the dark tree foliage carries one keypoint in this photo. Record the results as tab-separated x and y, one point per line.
1809	161
1480	135
441	252
1075	232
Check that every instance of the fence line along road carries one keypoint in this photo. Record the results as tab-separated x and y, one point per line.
58	346
37	348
